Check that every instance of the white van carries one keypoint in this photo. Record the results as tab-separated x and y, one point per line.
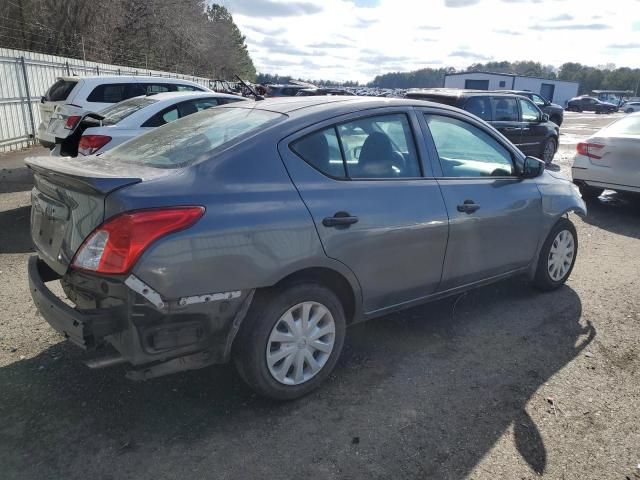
70	97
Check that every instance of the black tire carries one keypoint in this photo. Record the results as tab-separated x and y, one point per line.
552	145
542	279
629	110
250	347
590	193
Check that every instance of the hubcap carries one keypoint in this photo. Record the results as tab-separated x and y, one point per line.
561	255
300	343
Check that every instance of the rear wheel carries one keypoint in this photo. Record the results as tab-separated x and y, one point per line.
549	150
557	256
290	341
629	110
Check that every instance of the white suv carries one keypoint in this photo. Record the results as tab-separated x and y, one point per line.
70	97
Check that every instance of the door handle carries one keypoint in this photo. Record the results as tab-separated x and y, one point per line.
511	129
469	206
340	219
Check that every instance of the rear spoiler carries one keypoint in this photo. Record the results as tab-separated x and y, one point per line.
86	175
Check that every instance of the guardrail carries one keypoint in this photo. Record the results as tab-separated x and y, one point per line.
26	76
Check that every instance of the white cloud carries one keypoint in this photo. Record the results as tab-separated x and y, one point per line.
356	40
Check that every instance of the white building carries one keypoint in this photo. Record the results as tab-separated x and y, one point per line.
557	91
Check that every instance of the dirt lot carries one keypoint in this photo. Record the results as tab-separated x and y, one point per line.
502	382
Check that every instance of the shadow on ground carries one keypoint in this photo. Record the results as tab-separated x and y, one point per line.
15	236
420	394
616	213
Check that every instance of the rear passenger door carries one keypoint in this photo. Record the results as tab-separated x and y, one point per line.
376	206
506	118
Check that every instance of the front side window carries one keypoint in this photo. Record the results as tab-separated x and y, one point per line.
506	109
467	151
530	112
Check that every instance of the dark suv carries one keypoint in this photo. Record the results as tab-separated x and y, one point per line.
516	117
555	111
590	104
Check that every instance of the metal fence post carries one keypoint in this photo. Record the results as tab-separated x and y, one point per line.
68	71
26	88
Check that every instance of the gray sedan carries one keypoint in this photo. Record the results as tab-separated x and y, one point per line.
257	232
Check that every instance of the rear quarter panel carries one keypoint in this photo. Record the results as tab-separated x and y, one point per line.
255	231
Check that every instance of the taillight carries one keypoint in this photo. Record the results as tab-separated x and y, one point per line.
115	246
590	150
90	144
71	122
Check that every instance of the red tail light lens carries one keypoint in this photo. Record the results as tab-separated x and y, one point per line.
590	150
115	246
71	122
90	144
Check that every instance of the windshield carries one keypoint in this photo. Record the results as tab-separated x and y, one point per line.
193	138
120	111
626	126
60	90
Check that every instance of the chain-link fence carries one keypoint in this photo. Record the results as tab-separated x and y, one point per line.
26	76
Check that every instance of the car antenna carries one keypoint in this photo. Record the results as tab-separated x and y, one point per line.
250	88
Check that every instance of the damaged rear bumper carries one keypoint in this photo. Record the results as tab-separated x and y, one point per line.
153	337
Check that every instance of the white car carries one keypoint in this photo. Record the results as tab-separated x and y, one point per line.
98	132
73	96
630	107
610	159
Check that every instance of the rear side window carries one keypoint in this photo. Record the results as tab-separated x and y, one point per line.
109	93
187	88
122	110
505	109
322	151
371	147
60	90
193	138
480	107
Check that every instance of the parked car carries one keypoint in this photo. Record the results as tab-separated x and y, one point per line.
309	92
257	232
516	117
555	112
630	107
590	104
287	90
609	159
73	96
98	132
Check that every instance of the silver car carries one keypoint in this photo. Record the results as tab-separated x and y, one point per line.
258	231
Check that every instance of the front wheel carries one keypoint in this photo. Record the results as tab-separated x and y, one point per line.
557	256
290	341
549	150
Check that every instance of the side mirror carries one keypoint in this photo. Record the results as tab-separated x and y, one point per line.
532	168
545	117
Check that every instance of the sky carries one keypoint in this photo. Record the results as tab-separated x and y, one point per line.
359	39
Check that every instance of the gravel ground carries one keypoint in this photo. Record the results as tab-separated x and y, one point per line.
502	382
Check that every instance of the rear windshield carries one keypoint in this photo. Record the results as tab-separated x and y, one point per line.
192	138
60	90
626	126
122	110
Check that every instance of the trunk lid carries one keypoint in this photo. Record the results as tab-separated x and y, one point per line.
68	202
621	154
57	95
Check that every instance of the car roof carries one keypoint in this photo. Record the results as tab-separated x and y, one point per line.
170	96
128	78
458	92
333	105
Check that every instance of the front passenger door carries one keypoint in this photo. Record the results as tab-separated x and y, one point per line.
534	131
494	215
